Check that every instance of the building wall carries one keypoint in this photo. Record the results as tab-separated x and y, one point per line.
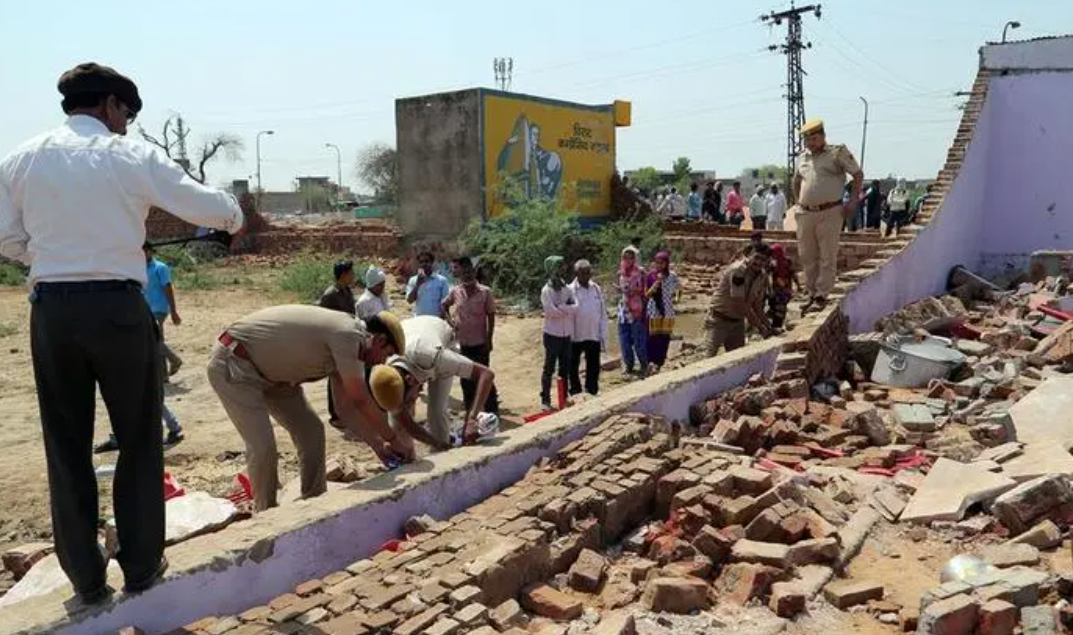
439	169
1029	202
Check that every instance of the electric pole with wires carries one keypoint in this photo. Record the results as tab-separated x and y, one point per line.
795	91
504	71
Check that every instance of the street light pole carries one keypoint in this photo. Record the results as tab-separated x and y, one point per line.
1012	24
864	133
259	189
338	164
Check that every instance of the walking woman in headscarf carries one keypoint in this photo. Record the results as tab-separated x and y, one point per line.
559	304
662	286
632	334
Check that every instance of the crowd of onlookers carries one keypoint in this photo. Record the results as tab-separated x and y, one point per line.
766	207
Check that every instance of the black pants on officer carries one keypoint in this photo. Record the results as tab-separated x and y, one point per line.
86	335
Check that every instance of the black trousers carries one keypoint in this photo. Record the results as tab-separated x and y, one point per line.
480	355
591	352
556	353
84	336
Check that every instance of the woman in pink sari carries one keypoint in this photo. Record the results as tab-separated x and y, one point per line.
632	333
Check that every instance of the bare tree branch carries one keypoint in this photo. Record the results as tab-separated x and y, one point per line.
224	145
230	145
164	145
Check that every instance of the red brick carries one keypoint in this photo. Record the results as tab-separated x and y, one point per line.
741	582
547	602
350	624
997	618
675	595
843	594
257	613
787	599
308	587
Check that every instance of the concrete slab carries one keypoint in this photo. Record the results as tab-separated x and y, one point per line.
950	488
1044	423
914	417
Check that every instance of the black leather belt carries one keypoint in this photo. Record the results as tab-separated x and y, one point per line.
87	286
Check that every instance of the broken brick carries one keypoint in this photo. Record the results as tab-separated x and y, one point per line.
550	603
675	595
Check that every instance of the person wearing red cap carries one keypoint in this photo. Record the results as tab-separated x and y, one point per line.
73	204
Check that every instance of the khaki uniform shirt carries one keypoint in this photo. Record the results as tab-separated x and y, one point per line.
293	343
430	352
738	288
823	175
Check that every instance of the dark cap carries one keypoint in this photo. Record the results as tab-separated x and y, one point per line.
93	79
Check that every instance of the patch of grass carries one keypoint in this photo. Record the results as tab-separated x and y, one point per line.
306	277
12	274
7	330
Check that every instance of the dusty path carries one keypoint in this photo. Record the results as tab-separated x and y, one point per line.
211	455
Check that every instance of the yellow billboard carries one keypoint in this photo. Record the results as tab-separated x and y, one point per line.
551	149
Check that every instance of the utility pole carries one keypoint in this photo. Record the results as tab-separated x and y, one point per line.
339	168
504	72
795	92
864	133
259	189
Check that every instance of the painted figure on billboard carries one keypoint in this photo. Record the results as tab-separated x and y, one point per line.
539	171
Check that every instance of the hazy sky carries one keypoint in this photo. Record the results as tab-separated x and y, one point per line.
700	78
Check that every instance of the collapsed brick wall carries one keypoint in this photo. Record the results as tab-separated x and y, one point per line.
379	241
717	249
160	225
827	348
586	497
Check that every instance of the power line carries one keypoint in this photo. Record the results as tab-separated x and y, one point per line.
795	90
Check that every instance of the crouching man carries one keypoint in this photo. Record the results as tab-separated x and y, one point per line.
258	366
431	357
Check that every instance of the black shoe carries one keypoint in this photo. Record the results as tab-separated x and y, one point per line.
137	586
174	437
97	596
111	445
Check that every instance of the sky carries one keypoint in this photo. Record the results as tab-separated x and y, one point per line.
702	82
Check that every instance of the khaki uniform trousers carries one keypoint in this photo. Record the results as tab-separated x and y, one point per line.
249	399
439	418
724	333
817	247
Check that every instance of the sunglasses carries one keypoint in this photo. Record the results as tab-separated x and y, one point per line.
128	114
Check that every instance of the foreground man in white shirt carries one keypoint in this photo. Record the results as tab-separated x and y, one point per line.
590	329
73	204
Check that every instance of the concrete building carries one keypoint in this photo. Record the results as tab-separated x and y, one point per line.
455	150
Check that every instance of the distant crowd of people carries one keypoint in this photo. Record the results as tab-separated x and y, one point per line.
766	208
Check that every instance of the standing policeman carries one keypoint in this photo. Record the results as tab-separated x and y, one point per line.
73	204
821	175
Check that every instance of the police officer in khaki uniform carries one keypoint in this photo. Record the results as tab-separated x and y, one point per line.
259	364
431	357
818	185
739	296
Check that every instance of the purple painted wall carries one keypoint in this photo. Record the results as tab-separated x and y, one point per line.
1029	204
951	238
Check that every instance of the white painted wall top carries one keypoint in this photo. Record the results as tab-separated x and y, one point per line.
1032	55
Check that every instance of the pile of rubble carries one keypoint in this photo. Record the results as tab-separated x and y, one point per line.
572	548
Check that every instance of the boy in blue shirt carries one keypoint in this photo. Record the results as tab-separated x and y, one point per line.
427	289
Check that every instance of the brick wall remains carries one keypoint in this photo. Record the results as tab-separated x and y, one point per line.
368	239
160	225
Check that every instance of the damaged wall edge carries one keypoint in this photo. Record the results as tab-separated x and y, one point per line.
312	538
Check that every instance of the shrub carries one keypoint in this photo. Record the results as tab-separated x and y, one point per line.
12	274
311	273
513	245
609	240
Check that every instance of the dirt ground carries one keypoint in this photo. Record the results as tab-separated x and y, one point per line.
211	456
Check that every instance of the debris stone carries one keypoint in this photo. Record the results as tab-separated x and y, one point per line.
843	594
1022	506
550	603
1045	535
1011	555
957	615
588	571
675	595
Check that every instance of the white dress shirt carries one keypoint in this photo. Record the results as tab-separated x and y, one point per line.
590	321
558	315
369	305
73	203
776	207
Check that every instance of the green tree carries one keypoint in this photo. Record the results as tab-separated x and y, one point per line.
767	173
378	168
645	179
682	169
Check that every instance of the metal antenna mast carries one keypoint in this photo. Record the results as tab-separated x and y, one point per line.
795	91
504	72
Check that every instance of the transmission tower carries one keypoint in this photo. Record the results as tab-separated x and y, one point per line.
504	71
795	91
181	132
